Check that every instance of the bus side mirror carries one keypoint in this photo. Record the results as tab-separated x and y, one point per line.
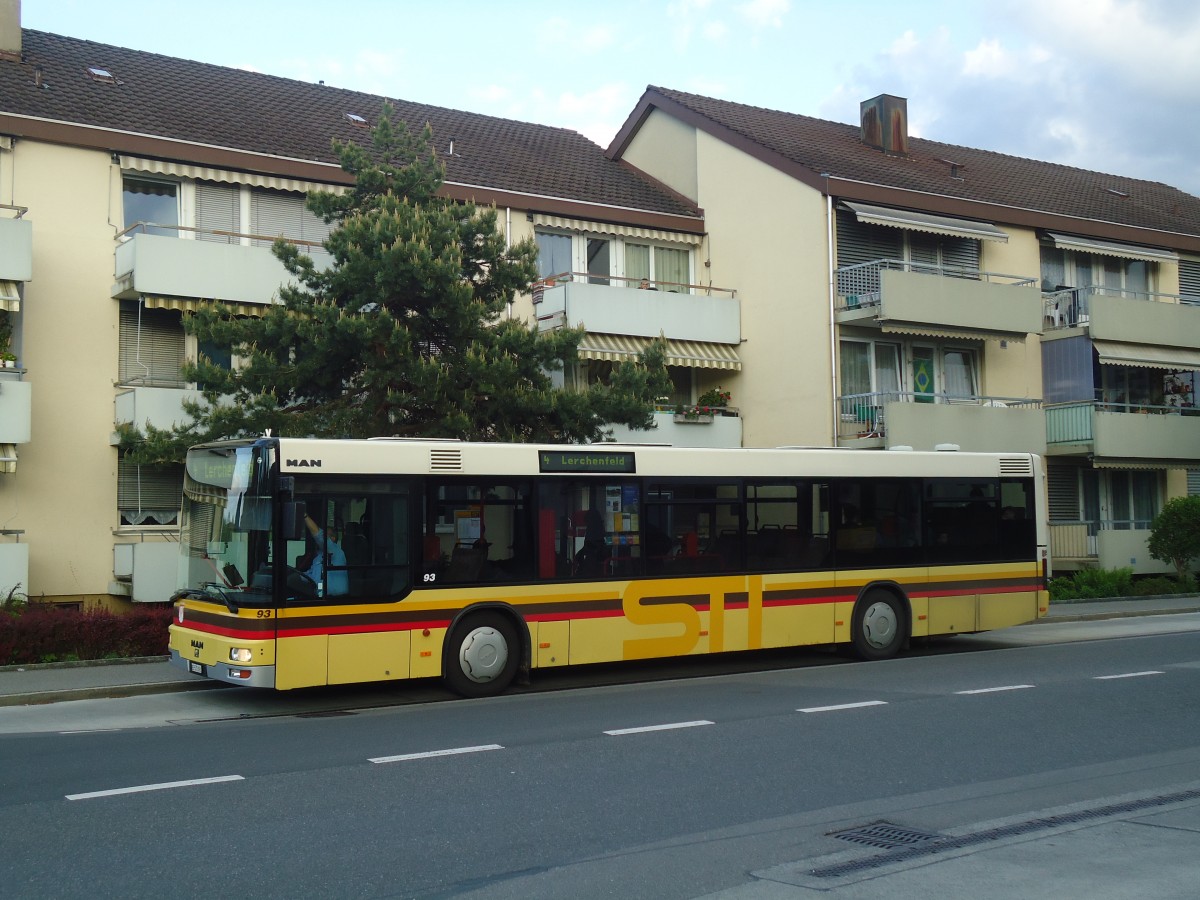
293	521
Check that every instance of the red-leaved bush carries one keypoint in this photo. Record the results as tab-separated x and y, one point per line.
41	633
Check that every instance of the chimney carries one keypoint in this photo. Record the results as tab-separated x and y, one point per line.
884	123
10	30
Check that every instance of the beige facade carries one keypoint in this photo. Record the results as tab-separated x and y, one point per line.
849	344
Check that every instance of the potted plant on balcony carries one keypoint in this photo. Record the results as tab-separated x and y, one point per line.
705	408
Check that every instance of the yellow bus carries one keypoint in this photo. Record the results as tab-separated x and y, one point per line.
320	562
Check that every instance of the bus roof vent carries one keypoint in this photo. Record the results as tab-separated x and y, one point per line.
448	459
946	448
1016	465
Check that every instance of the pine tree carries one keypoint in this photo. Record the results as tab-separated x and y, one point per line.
405	334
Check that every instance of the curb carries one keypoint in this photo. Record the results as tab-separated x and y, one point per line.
106	692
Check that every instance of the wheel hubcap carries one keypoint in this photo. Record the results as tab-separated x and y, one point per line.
879	625
483	654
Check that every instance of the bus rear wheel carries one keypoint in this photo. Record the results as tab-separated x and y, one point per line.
878	625
482	655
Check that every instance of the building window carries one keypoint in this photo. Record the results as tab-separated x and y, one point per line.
155	203
554	254
615	261
870	367
1062	269
151	346
149	495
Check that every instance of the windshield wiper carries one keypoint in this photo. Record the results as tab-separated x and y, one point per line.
211	588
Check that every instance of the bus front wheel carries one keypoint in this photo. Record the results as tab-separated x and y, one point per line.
482	656
878	625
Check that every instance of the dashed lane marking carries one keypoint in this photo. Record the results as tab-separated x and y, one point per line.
430	754
841	706
164	786
666	727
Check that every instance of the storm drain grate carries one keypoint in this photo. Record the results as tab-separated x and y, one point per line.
886	836
942	843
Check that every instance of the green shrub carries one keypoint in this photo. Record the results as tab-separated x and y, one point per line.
1092	584
1164	584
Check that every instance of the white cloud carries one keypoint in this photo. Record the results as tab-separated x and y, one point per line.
764	13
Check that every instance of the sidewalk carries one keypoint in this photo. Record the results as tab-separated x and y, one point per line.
54	682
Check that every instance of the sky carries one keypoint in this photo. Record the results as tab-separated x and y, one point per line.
1107	85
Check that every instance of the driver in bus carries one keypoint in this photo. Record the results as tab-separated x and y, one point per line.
338	583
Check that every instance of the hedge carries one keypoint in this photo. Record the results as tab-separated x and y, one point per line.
38	633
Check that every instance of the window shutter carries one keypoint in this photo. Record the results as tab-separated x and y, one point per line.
217	209
1189	278
1062	487
962	253
1193	482
151	346
275	213
859	243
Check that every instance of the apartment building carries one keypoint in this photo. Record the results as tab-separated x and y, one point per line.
136	187
912	293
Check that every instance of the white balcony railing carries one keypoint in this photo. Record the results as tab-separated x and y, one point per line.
1073	307
859	285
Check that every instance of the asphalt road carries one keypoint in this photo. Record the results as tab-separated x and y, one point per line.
677	788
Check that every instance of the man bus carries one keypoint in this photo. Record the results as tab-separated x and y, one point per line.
480	562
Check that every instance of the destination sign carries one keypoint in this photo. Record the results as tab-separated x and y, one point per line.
586	461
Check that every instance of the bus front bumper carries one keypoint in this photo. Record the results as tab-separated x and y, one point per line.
247	676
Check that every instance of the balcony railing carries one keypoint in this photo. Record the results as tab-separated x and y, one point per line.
1106	543
178	261
1072	307
864	415
614	305
859	285
674	287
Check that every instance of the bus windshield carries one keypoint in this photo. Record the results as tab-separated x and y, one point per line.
225	530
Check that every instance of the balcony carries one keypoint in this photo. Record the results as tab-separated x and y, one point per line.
14	564
1154	435
922	421
722	428
173	266
696	313
909	297
146	571
158	406
16	407
16	244
1105	544
1132	317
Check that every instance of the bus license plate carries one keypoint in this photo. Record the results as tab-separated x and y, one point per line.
196	668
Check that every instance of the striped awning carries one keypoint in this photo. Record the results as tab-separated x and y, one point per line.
8	459
950	334
1149	465
927	222
1119	353
693	354
10	297
192	304
1109	248
204	173
632	231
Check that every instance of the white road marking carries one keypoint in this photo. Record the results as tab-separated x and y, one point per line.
1126	675
993	690
816	709
430	754
166	785
667	727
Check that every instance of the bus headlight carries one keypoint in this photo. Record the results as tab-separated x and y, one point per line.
240	654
